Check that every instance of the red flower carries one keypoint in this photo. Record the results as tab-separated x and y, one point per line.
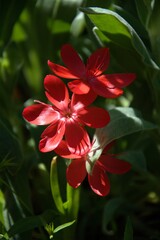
65	117
97	177
90	76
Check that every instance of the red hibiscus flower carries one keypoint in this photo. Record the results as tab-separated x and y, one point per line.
91	76
65	117
96	170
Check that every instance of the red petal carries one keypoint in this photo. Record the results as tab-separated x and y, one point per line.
77	138
99	181
94	117
103	88
40	114
61	71
121	80
57	93
78	87
64	152
76	172
114	165
79	101
51	137
98	61
73	61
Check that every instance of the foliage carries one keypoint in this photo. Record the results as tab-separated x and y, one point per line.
35	200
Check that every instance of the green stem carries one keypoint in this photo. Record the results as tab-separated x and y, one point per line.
68	210
72	211
73	201
55	186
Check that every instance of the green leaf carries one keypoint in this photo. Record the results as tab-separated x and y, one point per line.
58	26
32	222
118	31
4	236
65	225
144	11
55	187
10	65
78	24
128	233
9	13
10	149
136	158
154	30
124	121
2	205
109	213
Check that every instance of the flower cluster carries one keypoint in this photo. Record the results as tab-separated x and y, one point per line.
69	112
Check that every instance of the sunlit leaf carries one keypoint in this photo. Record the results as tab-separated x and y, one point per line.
65	225
2	204
124	121
78	24
119	31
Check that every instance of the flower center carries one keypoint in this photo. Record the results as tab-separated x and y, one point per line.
68	114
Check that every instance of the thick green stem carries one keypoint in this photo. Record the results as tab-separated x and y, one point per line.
72	211
68	210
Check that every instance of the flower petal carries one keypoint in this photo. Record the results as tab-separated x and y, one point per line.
51	137
57	93
99	181
77	138
94	117
80	101
61	71
121	80
40	114
98	62
114	165
63	151
76	172
72	60
103	88
78	87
